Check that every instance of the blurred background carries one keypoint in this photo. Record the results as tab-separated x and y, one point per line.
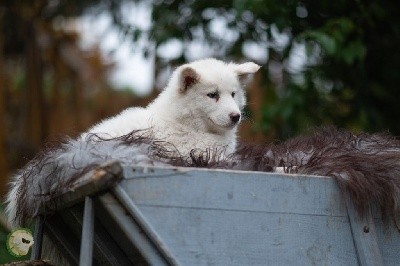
66	64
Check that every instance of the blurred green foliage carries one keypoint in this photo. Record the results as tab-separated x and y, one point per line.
351	76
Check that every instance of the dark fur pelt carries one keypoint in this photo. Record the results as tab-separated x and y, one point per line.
54	170
367	165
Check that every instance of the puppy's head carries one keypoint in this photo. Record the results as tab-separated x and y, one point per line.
212	92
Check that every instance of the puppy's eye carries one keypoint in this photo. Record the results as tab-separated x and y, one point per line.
213	95
233	94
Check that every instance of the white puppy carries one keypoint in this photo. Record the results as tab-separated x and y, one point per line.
199	109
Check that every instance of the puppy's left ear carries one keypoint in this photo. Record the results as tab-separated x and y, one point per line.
244	71
188	78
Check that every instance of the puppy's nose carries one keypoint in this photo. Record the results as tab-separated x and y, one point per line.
235	117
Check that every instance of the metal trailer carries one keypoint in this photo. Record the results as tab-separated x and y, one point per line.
188	216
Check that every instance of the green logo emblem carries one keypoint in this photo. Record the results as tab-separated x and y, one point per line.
19	242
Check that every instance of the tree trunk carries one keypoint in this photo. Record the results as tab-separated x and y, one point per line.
34	79
3	160
78	103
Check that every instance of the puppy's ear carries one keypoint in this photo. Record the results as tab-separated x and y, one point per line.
244	71
188	78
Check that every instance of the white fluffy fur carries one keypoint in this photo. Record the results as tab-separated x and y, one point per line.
183	114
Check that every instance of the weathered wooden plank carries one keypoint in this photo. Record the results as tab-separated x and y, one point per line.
364	235
225	190
309	202
145	227
106	250
133	231
86	252
226	237
219	217
389	241
92	182
37	238
56	233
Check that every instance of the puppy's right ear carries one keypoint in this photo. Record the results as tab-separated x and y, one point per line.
188	77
